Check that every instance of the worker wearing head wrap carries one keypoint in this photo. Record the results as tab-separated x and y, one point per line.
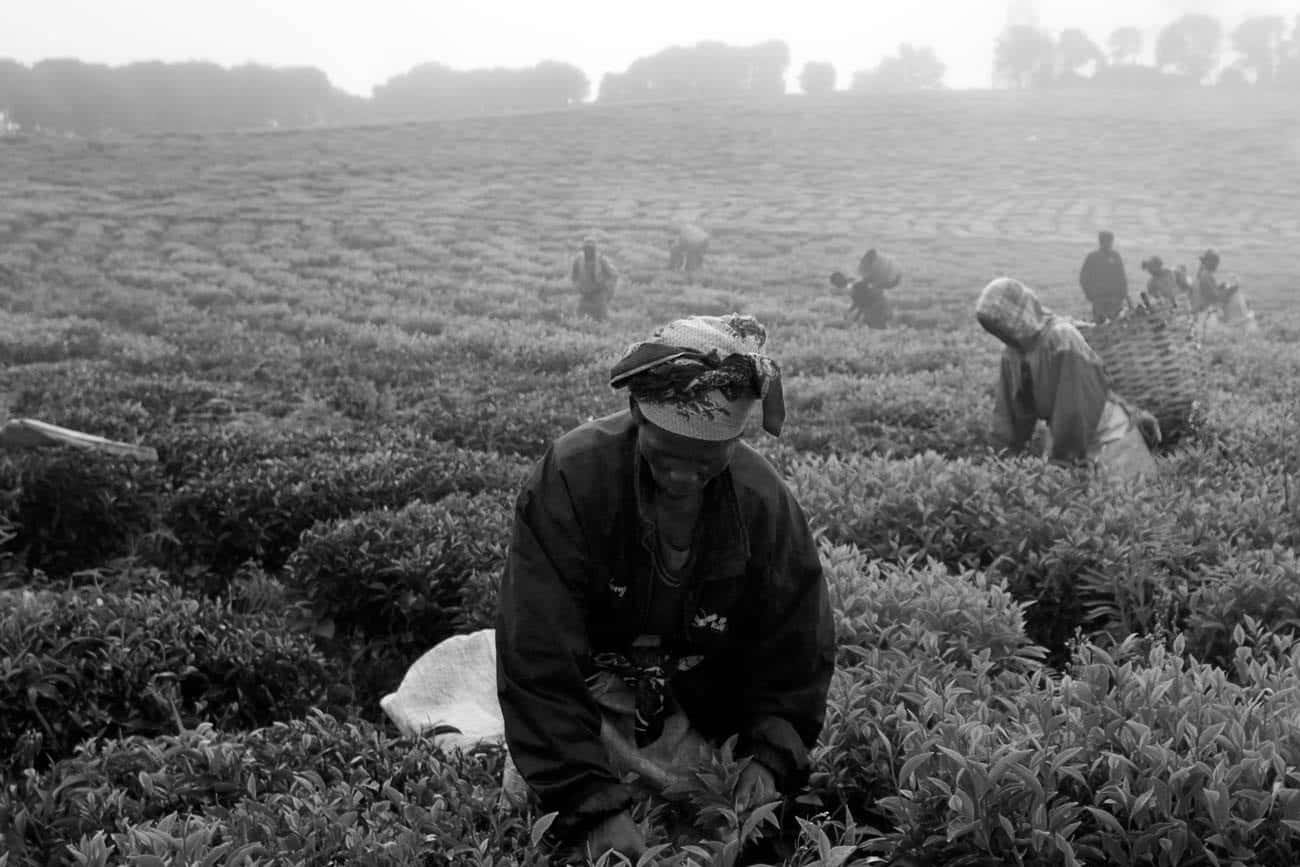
1050	373
1208	292
1162	287
1103	280
662	582
595	279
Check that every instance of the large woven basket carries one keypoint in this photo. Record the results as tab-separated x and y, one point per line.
1152	359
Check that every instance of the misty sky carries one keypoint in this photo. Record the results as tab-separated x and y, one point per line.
361	44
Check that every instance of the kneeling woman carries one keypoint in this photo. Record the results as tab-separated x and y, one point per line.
1050	372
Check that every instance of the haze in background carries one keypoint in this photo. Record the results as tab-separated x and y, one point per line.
362	44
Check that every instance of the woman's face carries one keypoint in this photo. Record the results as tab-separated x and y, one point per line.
682	466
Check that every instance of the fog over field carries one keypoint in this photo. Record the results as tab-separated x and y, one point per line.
279	355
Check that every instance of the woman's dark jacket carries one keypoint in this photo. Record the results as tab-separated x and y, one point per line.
756	612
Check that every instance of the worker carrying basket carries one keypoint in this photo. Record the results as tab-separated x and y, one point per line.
1152	357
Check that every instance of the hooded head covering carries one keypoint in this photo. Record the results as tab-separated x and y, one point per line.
1011	312
700	377
1154	264
1210	259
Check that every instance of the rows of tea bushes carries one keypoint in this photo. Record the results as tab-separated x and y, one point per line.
1203	550
346	355
946	739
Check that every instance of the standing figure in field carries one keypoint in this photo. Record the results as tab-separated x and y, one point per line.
1103	280
1049	372
595	279
686	249
663	590
1162	287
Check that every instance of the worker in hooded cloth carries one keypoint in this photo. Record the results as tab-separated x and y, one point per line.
687	247
662	581
595	279
1049	372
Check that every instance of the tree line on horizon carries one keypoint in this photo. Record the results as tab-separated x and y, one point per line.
72	96
1188	51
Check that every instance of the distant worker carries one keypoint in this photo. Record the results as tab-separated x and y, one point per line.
866	303
876	273
687	248
1103	280
1162	288
1049	372
879	270
1207	292
1217	298
595	279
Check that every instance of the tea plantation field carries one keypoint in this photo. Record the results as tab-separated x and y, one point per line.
347	345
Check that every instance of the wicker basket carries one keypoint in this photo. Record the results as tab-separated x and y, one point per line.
1152	359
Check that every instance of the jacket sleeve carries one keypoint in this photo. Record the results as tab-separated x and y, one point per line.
1121	276
552	724
575	271
1014	419
1080	398
791	657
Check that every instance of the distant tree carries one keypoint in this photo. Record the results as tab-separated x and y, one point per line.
1125	45
1288	70
817	77
768	63
1078	50
1260	41
16	97
1190	46
911	69
73	96
1024	56
559	84
437	90
1233	76
618	87
707	69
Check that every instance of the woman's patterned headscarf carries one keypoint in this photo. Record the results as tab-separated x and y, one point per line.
700	376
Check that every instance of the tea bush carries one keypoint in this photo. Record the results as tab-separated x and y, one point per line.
386	585
401	574
96	662
28	339
75	510
257	510
912	606
304	792
1260	586
1085	554
1131	758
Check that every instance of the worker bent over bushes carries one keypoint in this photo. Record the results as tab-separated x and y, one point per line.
662	582
662	594
1050	372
